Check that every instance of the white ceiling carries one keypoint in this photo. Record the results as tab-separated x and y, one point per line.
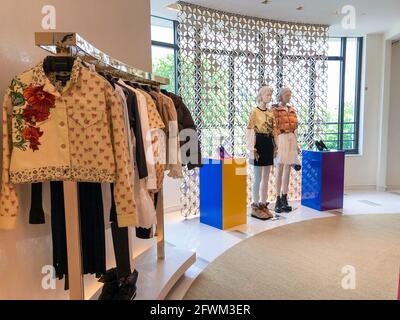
372	16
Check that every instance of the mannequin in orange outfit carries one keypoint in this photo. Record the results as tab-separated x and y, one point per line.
287	148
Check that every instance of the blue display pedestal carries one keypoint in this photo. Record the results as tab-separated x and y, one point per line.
323	180
223	193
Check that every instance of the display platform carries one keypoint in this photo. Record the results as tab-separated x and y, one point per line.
157	277
323	180
223	193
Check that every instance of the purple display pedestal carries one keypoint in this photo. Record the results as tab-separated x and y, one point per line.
323	180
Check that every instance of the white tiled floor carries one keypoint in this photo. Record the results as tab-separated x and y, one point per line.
209	243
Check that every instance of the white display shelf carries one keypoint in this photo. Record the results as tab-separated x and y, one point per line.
158	276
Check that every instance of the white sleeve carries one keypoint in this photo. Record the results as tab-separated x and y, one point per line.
147	138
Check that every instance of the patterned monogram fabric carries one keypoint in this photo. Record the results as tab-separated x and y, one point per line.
73	133
225	58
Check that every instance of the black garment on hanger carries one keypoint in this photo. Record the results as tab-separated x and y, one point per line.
36	214
91	215
185	121
93	228
58	232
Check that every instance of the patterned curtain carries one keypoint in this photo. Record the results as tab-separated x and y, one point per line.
223	61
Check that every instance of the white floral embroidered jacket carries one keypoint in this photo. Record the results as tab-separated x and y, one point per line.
74	132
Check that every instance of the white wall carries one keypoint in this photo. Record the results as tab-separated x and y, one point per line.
393	175
393	33
361	170
119	27
377	167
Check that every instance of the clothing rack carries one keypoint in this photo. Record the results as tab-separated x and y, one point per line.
72	44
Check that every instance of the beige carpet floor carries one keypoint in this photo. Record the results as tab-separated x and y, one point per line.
305	261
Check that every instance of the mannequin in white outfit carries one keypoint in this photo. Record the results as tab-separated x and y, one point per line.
287	147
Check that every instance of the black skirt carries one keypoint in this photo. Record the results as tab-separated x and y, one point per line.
265	150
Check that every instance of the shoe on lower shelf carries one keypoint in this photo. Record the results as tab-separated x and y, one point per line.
127	287
110	287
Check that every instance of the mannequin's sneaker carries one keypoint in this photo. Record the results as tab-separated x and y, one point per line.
258	213
285	204
127	287
279	205
110	287
264	207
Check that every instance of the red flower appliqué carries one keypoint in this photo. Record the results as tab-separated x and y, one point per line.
35	96
32	134
37	110
36	113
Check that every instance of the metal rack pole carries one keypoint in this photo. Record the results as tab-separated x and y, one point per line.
74	250
160	226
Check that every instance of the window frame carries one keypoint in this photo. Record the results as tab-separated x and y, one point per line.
280	57
173	46
342	92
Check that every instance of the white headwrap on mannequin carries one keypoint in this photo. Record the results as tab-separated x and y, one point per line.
262	91
282	92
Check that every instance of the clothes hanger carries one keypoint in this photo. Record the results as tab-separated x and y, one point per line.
131	84
145	87
155	88
108	77
58	64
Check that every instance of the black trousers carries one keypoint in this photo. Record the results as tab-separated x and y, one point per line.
120	242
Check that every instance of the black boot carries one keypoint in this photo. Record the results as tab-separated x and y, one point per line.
285	204
110	287
278	205
127	287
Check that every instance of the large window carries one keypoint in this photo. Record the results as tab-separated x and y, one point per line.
164	50
341	123
341	129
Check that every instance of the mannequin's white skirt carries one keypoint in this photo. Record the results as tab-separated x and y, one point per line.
287	149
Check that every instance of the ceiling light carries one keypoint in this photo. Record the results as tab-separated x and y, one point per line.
173	7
